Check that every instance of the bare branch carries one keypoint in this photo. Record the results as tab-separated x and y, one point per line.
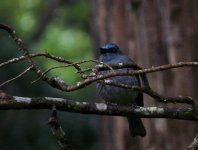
18	76
25	52
153	94
76	63
194	144
93	77
99	67
61	85
58	132
19	42
85	82
17	59
98	108
152	69
44	54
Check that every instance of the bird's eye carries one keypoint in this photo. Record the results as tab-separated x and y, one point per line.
108	50
112	50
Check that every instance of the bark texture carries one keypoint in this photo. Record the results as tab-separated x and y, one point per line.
153	32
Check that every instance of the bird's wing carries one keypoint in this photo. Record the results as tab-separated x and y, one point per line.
139	100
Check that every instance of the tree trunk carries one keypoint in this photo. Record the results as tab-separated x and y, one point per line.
152	33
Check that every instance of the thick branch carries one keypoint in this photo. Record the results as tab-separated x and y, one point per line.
98	108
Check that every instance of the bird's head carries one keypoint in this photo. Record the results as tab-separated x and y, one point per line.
110	48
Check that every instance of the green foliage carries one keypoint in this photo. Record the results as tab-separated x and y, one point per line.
71	44
20	14
65	35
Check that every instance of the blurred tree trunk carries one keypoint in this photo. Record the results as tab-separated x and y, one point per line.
153	32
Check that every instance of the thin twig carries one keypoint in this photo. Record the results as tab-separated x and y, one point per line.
76	63
17	59
25	52
18	76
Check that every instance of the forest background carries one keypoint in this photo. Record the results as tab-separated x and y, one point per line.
151	33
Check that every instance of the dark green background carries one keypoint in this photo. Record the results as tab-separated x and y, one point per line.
66	34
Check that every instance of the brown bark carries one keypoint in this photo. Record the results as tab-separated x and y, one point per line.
152	32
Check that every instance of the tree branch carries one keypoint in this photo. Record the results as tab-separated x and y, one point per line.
14	102
61	85
58	132
153	94
194	144
18	76
93	77
98	108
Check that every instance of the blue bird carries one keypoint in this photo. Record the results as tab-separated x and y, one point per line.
110	53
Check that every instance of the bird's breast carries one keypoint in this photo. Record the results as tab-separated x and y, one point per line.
118	95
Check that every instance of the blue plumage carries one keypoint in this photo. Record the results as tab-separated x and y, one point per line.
111	54
109	46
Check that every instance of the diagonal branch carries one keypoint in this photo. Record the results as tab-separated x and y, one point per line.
194	144
61	85
19	42
18	76
92	79
25	52
43	54
58	132
153	94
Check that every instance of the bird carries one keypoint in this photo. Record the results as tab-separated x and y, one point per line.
110	53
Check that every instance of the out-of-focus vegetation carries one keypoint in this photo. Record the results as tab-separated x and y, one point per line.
61	29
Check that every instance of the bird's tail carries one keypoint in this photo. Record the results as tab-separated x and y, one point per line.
136	127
